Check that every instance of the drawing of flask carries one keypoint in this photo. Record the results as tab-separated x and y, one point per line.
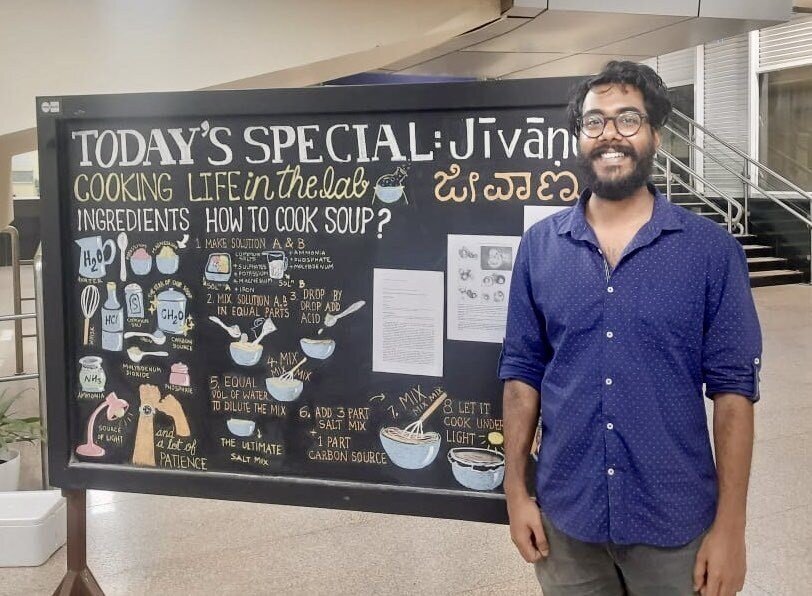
112	321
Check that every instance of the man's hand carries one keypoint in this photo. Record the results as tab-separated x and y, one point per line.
526	530
720	563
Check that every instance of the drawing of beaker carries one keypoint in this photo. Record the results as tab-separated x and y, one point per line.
277	263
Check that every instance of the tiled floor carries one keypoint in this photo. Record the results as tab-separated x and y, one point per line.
140	544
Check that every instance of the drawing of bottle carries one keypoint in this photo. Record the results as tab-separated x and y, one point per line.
112	321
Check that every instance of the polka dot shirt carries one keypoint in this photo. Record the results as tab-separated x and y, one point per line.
620	358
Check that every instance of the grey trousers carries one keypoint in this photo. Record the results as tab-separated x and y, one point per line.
575	568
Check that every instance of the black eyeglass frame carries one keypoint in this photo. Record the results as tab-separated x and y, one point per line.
613	119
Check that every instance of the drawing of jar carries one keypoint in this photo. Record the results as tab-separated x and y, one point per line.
179	374
277	263
172	311
91	374
134	300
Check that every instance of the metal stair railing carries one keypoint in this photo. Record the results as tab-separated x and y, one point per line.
750	166
732	220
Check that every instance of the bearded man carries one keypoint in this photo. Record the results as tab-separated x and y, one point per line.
621	309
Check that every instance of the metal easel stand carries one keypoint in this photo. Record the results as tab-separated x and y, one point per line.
78	580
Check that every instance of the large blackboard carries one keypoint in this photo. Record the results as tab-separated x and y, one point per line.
162	211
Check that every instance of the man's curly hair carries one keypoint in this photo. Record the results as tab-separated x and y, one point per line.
655	93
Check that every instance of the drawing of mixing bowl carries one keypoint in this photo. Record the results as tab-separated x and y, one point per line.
245	353
241	428
388	194
477	469
318	348
410	450
167	260
282	389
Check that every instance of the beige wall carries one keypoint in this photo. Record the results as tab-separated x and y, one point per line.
64	47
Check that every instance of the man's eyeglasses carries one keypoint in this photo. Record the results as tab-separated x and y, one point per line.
626	123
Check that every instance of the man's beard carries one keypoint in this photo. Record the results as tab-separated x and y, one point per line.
617	189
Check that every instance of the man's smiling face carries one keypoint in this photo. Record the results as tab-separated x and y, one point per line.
615	165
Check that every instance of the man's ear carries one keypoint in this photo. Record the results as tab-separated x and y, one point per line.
656	135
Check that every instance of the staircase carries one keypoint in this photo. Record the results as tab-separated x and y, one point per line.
772	221
766	268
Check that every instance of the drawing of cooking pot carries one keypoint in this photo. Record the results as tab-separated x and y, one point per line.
172	311
477	469
92	262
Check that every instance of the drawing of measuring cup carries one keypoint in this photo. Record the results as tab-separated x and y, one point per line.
92	263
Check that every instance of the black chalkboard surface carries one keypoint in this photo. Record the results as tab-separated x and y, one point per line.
291	296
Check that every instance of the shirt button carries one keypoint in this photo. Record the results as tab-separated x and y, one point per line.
610	289
611	471
610	426
609	334
757	361
608	381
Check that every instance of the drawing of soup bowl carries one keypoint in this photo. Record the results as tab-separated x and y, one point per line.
245	353
284	389
477	469
388	194
318	348
167	260
410	450
141	261
241	428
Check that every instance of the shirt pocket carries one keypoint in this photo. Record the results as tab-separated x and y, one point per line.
666	315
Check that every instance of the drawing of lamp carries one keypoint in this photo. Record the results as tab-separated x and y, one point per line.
116	408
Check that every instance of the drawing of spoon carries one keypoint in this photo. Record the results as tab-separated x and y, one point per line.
136	354
267	327
158	338
331	319
232	330
121	240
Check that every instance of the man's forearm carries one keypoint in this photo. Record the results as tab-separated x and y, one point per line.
733	439
520	412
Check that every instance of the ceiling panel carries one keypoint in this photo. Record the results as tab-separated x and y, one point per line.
574	65
572	31
685	8
480	64
681	35
751	9
496	28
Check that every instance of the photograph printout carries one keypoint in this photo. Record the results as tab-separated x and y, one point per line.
479	273
407	322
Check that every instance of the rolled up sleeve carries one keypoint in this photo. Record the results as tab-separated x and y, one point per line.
731	351
525	350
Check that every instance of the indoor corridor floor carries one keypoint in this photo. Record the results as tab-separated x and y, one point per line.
155	545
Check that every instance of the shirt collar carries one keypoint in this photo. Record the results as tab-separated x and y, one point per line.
663	217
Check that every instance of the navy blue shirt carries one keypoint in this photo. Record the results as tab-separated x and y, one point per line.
619	358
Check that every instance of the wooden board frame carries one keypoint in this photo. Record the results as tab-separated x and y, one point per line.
54	112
